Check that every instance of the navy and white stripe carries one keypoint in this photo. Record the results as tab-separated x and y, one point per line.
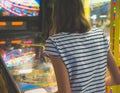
85	56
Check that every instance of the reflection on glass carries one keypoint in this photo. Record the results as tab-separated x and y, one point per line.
28	70
100	15
40	90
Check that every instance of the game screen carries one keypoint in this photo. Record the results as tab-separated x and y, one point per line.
19	7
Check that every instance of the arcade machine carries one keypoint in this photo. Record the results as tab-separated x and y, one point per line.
115	30
20	44
105	14
115	38
7	83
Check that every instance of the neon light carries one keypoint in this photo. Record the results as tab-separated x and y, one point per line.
3	23
114	0
2	42
28	42
114	25
114	14
114	17
114	3
114	8
16	41
17	23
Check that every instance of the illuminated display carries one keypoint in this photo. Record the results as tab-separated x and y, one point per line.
17	23
114	25
3	23
19	7
16	41
2	42
17	57
13	25
28	42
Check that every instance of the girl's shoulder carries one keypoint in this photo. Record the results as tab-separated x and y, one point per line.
67	34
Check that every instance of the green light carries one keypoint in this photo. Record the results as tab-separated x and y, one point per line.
114	8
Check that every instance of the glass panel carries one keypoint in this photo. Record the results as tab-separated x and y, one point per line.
26	66
100	15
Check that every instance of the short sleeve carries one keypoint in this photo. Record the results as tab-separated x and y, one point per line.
50	47
107	43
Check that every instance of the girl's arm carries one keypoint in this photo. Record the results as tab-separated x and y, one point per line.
113	69
61	75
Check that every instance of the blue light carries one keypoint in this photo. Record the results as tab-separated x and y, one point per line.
114	0
38	1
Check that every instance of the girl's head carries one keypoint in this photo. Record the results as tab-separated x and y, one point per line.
69	16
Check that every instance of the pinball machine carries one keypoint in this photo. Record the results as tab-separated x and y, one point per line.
21	43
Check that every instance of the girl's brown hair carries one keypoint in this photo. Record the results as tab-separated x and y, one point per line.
69	16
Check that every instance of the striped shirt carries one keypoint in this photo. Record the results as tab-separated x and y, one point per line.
85	56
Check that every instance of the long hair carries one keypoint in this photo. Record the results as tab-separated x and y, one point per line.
69	16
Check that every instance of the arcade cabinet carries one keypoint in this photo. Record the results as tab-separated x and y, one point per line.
21	30
7	83
115	39
115	30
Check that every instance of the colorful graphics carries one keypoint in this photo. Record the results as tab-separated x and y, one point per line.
19	7
18	57
100	15
29	69
100	12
